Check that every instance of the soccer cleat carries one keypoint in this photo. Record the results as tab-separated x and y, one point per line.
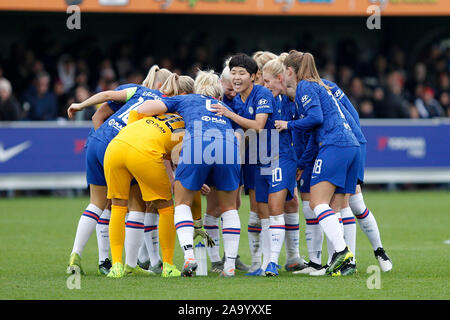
254	267
346	270
103	268
116	271
157	269
339	259
320	272
383	260
240	265
169	271
297	265
217	266
310	267
227	273
144	265
75	264
190	265
257	272
136	271
271	270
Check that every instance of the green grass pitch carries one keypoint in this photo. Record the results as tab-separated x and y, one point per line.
36	236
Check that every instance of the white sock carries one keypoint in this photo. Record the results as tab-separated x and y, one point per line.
292	236
330	225
254	236
134	234
86	225
330	247
278	231
151	237
184	224
102	231
330	251
366	220
231	231
211	225
143	252
349	223
313	234
265	242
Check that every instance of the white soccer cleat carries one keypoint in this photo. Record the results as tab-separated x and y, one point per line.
383	260
311	267
321	272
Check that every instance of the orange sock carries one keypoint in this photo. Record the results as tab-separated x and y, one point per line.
197	207
117	232
167	233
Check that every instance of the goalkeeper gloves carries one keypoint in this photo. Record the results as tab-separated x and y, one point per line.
199	231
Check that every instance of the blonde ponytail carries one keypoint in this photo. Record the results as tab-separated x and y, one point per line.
176	85
304	66
262	57
156	76
308	70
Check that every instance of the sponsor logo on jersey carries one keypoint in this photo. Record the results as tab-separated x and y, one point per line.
305	100
214	119
115	124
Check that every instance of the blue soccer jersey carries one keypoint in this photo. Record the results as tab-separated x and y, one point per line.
349	111
111	127
284	109
259	101
330	126
115	105
207	134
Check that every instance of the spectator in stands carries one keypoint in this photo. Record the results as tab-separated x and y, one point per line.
366	109
427	106
66	72
357	92
39	101
393	105
10	109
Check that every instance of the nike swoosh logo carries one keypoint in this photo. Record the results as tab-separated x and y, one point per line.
274	185
6	155
312	177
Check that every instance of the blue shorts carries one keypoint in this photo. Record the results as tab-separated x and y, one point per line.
339	166
362	163
248	176
95	153
282	177
224	176
304	183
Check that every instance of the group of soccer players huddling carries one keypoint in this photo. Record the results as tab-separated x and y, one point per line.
268	126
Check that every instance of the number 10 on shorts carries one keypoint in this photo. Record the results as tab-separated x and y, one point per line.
277	175
317	166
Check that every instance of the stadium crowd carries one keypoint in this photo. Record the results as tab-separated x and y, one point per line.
40	79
